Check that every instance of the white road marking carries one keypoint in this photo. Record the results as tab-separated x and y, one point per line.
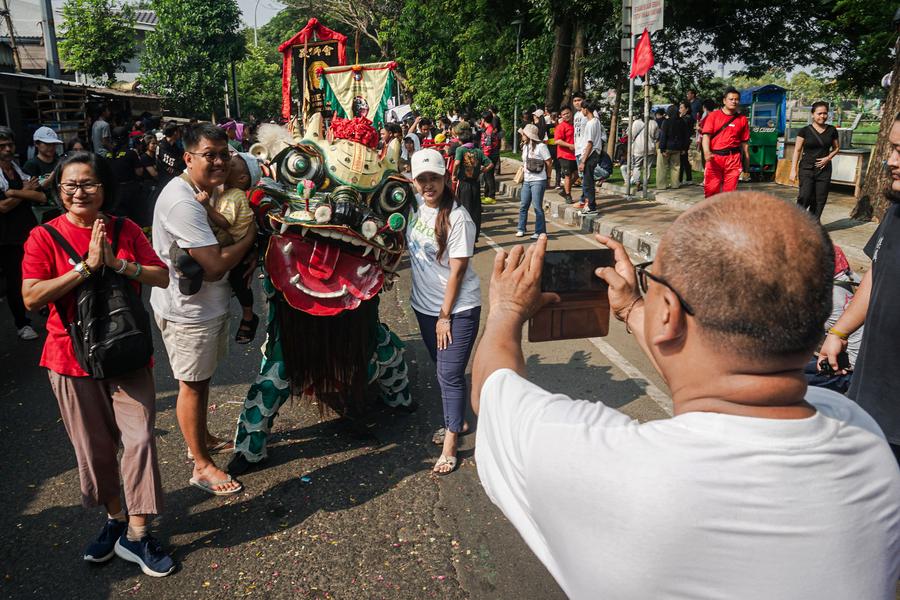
657	395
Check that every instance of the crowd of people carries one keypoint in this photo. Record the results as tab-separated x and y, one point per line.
754	462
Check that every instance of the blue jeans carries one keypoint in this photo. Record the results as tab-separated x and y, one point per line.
588	191
452	362
532	194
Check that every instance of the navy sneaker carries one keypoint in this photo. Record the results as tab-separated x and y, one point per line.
147	553
101	549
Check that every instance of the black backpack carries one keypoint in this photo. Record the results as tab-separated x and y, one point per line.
111	331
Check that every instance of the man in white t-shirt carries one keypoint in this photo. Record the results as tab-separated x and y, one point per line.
192	313
590	156
757	488
580	121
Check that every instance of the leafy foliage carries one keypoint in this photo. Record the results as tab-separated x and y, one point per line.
188	56
259	84
98	37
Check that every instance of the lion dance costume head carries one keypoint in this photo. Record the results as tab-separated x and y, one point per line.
333	210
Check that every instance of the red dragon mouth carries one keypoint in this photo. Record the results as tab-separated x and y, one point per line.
320	277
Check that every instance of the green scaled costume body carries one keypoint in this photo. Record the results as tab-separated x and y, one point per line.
332	212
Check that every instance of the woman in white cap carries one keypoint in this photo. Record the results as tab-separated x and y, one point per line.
537	163
446	293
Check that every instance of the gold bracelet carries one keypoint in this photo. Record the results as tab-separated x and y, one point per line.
840	334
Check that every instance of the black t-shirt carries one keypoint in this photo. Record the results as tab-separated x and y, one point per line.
38	168
15	224
148	161
123	165
816	145
169	161
876	377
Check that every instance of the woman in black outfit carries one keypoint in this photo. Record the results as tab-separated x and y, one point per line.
816	145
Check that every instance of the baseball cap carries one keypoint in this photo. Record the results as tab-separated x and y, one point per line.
427	160
46	135
539	112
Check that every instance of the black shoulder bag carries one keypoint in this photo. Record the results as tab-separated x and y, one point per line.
111	331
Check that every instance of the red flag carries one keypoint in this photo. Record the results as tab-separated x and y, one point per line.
643	56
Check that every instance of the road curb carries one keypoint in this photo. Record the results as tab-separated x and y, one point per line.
639	242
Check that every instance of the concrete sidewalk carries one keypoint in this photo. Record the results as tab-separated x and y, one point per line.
639	224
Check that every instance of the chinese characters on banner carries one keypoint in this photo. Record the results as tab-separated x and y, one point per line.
311	57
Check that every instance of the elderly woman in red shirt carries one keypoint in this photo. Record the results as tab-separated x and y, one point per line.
99	414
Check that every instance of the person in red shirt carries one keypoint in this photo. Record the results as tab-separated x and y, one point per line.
100	414
726	137
490	145
565	151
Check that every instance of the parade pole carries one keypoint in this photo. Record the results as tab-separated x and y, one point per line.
646	162
629	144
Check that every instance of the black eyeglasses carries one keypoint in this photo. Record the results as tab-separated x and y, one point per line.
211	157
643	275
70	188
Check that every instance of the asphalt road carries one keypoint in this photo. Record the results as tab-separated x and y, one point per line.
331	516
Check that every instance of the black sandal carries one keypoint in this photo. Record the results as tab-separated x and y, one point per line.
247	330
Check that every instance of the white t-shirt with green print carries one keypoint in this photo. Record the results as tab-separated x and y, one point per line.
429	276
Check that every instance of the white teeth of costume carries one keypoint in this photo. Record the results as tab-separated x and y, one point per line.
377	254
303	231
363	270
367	250
315	294
295	279
284	227
369	229
323	214
287	247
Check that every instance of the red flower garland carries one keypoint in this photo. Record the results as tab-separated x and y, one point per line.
358	129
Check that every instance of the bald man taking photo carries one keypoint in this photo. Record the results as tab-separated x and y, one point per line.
757	487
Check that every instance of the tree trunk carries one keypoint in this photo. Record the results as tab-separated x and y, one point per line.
559	63
577	56
872	203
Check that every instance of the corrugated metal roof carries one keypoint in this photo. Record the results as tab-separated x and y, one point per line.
90	88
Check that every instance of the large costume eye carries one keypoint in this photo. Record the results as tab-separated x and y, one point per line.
394	196
295	164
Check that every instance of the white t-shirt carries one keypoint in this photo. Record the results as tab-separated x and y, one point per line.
429	277
179	217
539	151
580	123
699	506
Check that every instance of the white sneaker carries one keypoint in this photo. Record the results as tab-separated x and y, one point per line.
520	233
27	333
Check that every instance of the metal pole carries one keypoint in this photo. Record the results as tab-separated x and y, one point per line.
515	126
646	163
629	148
255	41
227	100
237	101
50	40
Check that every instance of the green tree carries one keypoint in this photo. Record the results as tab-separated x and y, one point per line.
98	37
189	54
259	84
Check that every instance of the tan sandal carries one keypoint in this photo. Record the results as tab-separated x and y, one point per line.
444	461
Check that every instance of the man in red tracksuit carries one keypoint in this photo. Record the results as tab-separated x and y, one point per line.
726	136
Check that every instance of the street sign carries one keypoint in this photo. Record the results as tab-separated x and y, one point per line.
647	14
